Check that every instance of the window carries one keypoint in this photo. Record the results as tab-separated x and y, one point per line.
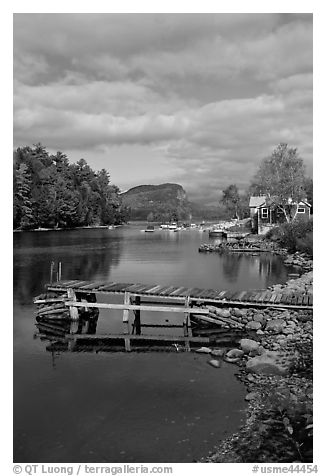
264	212
301	210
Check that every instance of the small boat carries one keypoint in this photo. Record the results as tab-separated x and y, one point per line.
173	226
217	231
150	229
164	226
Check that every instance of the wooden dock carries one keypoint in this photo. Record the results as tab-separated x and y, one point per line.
252	298
75	300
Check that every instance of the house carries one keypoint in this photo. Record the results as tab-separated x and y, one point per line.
265	213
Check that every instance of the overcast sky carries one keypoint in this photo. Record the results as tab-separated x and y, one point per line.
196	99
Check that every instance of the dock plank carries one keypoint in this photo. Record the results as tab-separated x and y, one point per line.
168	291
93	285
278	298
305	298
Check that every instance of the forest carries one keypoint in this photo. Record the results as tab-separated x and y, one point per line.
49	192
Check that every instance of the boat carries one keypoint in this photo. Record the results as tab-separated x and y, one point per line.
173	226
150	229
216	232
164	226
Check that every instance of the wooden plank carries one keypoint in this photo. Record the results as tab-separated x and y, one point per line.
193	310
310	299
278	298
94	285
154	290
196	292
107	286
164	288
132	337
262	297
294	299
66	285
134	288
169	290
179	291
206	293
233	295
284	298
143	288
305	299
273	297
241	295
211	320
267	296
120	287
77	284
221	294
300	298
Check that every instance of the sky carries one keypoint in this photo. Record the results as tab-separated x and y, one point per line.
195	99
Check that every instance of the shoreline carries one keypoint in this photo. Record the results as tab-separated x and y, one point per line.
275	365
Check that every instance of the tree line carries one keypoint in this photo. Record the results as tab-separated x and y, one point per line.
50	192
280	176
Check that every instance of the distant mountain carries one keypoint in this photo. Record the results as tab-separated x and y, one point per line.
164	202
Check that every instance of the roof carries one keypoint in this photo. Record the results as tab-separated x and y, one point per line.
257	201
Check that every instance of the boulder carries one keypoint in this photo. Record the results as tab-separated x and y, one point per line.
253	326
203	350
268	363
215	363
234	353
238	312
260	332
275	325
217	352
223	313
251	396
260	318
248	345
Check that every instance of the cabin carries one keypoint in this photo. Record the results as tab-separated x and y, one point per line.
266	214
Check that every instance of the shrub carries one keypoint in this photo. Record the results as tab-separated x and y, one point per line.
295	236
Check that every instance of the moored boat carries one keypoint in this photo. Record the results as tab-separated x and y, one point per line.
173	226
150	229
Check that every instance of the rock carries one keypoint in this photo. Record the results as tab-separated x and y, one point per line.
248	344
253	326
269	364
231	360
260	332
238	312
259	318
287	331
282	342
234	353
275	325
217	352
223	313
203	350
212	309
215	363
251	396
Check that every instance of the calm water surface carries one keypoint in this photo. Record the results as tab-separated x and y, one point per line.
118	407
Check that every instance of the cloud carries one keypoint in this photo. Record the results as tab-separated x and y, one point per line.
212	94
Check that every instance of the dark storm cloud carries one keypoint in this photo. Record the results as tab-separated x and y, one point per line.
212	93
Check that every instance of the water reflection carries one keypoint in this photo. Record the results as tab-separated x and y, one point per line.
84	256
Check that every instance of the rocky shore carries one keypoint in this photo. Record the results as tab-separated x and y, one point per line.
275	363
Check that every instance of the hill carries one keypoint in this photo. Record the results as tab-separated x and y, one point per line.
164	202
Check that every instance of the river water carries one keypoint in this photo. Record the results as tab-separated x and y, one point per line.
117	406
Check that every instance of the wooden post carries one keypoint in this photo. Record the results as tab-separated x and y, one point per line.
185	325
59	271
51	271
137	324
72	309
125	320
